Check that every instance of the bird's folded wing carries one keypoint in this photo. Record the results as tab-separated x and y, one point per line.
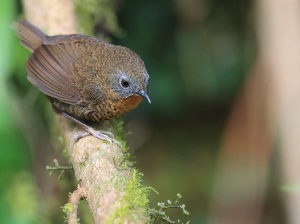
49	68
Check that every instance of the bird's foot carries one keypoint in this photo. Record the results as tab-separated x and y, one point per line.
75	138
102	135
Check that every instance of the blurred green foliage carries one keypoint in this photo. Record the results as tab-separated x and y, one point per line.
93	13
18	201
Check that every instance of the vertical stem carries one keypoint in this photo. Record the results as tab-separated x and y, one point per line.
278	24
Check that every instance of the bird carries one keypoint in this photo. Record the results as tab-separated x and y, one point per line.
83	77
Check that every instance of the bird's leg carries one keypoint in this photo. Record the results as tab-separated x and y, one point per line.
102	135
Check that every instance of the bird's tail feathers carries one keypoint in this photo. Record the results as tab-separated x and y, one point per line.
31	36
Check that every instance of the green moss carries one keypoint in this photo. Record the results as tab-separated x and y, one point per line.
119	133
134	202
64	152
61	140
122	165
82	164
106	142
68	208
97	190
66	155
57	167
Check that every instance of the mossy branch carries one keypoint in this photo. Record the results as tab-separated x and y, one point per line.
112	188
107	181
71	208
105	186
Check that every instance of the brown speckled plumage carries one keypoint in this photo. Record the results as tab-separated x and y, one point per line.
81	75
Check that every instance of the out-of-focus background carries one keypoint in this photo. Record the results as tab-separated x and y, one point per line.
221	130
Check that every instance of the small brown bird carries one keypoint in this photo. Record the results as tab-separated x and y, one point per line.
84	77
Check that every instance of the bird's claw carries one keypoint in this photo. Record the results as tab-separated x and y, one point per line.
107	133
75	138
102	135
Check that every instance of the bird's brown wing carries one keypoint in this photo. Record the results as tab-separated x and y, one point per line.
51	68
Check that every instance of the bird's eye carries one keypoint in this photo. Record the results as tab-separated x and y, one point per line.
125	83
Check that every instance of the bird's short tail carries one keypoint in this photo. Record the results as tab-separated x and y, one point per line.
31	36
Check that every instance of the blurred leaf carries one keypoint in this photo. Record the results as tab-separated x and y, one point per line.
21	198
15	194
293	188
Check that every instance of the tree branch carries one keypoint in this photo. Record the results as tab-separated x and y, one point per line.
106	186
75	198
97	167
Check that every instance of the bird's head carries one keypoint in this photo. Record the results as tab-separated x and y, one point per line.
129	76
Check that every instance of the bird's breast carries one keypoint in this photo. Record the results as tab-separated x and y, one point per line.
110	109
129	103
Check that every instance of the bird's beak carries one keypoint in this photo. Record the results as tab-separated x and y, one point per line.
144	94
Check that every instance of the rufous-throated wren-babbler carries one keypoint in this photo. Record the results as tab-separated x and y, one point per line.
84	77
